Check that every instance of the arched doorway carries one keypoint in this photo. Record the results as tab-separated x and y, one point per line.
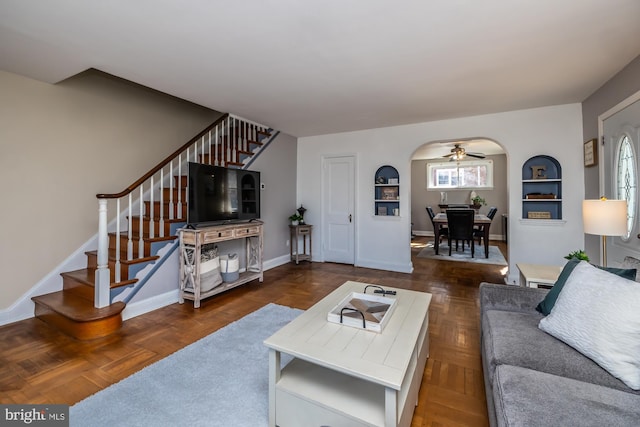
437	156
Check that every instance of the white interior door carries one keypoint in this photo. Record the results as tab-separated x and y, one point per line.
623	125
338	209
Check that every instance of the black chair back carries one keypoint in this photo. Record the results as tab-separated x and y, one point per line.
442	230
430	212
460	223
492	212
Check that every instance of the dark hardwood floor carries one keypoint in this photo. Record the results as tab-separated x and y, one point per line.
41	365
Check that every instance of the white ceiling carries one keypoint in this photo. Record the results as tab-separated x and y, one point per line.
315	67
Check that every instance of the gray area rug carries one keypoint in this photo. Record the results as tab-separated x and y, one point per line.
220	380
495	256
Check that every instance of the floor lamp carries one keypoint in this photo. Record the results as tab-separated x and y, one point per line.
604	218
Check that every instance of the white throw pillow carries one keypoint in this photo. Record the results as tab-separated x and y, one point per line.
598	314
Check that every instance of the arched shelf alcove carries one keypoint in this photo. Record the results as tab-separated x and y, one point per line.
387	191
541	188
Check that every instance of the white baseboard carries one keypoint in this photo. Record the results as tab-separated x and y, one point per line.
276	262
150	304
400	268
23	308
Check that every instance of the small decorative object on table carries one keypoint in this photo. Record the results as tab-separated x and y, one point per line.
478	201
301	211
295	219
578	254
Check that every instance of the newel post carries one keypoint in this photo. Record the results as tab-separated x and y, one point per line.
103	276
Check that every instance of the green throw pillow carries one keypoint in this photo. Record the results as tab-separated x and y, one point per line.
549	300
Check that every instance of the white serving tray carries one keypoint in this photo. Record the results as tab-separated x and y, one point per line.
374	320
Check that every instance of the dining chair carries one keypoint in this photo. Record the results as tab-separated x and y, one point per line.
444	231
479	231
460	222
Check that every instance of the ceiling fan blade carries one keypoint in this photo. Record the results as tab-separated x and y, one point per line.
476	155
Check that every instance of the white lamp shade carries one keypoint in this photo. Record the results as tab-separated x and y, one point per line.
605	217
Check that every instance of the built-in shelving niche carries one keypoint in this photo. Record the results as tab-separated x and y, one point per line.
387	191
541	188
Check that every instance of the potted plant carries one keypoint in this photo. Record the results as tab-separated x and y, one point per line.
295	219
477	202
578	254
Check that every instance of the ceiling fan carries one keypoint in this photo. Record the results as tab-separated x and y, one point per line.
459	153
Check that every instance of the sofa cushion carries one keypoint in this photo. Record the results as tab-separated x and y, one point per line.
513	338
524	397
598	314
546	305
631	262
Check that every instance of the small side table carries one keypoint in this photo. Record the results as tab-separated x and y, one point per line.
534	275
297	231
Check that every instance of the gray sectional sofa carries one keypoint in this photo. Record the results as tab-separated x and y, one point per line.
534	379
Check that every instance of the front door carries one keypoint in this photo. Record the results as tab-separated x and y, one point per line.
621	133
338	206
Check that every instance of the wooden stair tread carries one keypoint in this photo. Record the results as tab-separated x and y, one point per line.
250	141
157	218
87	276
77	308
145	238
112	257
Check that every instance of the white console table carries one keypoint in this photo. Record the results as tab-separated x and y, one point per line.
191	242
341	375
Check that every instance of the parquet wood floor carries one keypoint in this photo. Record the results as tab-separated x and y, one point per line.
41	365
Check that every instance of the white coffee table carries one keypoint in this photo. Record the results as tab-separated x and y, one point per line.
341	375
535	275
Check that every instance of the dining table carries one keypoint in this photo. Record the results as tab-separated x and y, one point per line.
483	221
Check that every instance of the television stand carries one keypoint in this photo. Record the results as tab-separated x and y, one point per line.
191	242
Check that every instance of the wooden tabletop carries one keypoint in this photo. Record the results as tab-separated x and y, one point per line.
478	218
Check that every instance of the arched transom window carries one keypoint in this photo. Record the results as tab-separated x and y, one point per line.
627	181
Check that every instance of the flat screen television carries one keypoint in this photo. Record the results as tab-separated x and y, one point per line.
218	195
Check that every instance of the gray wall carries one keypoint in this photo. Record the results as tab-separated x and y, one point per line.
94	133
62	144
277	166
421	197
616	90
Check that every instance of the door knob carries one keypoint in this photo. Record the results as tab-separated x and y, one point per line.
350	221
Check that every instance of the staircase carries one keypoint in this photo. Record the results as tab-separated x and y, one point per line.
92	299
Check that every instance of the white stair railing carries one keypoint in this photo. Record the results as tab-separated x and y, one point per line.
220	144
